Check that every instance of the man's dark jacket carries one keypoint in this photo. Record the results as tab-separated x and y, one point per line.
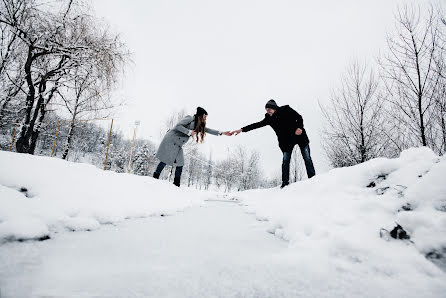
284	121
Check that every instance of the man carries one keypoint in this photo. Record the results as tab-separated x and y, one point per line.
289	128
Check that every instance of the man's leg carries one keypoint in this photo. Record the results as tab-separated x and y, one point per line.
177	179
308	162
158	170
286	168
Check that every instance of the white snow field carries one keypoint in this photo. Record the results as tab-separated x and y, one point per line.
42	195
316	238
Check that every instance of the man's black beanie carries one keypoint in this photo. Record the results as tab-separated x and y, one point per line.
271	104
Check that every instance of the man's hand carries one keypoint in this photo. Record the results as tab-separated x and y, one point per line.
298	131
227	133
236	132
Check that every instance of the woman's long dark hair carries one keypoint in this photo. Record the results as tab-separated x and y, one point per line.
200	128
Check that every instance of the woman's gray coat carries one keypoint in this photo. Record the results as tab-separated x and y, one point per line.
170	150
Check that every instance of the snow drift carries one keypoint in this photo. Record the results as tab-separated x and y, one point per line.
42	195
334	220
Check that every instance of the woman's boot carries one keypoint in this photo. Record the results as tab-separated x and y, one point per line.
156	175
176	181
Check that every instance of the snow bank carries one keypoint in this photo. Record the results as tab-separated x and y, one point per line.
41	195
333	220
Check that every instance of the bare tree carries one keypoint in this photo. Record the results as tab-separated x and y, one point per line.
440	96
192	165
171	121
354	130
86	97
411	76
297	166
253	172
57	37
11	78
225	173
208	173
439	130
242	169
274	181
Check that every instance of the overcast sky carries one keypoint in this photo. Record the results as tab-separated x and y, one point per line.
232	56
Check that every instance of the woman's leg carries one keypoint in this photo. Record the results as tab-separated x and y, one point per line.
178	172
177	178
158	170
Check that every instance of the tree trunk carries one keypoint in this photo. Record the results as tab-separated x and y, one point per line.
41	111
362	147
68	144
420	96
30	132
422	128
22	144
443	129
70	133
35	128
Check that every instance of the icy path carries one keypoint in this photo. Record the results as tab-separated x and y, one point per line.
215	250
212	251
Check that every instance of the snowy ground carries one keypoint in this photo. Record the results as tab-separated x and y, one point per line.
318	238
40	196
213	251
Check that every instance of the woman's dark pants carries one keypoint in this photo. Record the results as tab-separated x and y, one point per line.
178	171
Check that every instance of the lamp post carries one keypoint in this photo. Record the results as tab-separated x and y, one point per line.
108	145
133	144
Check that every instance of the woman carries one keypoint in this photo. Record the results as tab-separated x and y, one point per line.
170	150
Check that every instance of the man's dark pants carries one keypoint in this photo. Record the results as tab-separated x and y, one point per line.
287	159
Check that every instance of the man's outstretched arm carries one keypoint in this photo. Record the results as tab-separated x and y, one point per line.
256	125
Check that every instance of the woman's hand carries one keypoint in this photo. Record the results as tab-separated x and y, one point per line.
193	133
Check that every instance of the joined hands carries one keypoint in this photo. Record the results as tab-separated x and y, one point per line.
226	133
236	132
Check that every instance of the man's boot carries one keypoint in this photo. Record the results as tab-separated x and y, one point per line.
176	181
156	175
284	184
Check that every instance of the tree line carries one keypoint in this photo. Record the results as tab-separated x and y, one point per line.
378	111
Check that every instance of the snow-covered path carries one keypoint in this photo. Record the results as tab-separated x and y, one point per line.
216	250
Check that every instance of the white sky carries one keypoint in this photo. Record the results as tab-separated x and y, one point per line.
232	56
